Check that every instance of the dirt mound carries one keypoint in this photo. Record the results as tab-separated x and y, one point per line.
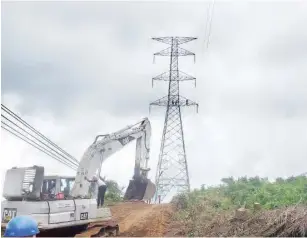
141	219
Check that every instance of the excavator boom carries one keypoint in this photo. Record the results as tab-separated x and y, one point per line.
140	187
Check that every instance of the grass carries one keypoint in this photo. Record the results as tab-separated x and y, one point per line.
209	211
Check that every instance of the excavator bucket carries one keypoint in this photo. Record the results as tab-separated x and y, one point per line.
141	189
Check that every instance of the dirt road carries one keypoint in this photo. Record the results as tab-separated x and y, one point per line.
141	219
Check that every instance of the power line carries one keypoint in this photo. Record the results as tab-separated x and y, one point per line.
42	148
65	158
210	23
37	132
68	161
37	147
207	22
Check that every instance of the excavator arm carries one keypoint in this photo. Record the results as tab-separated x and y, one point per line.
140	187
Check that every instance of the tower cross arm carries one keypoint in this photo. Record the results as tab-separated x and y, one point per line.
184	102
160	102
174	101
168	52
179	76
169	40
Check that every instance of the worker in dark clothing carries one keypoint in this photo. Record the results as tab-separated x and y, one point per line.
102	188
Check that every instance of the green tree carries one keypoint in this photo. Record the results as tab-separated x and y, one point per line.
114	192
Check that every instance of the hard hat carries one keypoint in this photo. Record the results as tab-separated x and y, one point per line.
21	226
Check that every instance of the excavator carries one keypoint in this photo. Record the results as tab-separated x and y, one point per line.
74	209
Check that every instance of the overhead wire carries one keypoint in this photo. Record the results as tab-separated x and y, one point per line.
65	158
7	110
210	23
35	145
206	27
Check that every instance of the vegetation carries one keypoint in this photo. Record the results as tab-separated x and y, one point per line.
247	191
114	192
210	205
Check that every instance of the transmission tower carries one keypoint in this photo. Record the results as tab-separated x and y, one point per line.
172	170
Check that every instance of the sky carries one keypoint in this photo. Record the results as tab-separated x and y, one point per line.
74	70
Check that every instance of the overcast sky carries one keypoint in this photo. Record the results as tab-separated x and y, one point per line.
77	69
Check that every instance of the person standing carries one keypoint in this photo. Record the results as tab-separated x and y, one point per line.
52	190
102	187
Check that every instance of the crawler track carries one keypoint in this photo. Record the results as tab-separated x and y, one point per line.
99	229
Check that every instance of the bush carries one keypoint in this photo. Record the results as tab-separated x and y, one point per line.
216	203
180	201
114	193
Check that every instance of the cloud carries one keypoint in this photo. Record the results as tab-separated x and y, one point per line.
78	69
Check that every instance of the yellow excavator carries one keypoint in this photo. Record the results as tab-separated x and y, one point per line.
73	210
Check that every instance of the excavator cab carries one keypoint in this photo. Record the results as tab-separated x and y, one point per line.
56	187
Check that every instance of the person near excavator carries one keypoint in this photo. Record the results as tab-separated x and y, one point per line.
52	190
102	187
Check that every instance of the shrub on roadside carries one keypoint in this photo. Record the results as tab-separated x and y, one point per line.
180	201
207	209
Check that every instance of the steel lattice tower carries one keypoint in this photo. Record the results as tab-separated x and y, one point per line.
172	170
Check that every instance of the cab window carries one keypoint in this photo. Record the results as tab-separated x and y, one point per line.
67	185
48	184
